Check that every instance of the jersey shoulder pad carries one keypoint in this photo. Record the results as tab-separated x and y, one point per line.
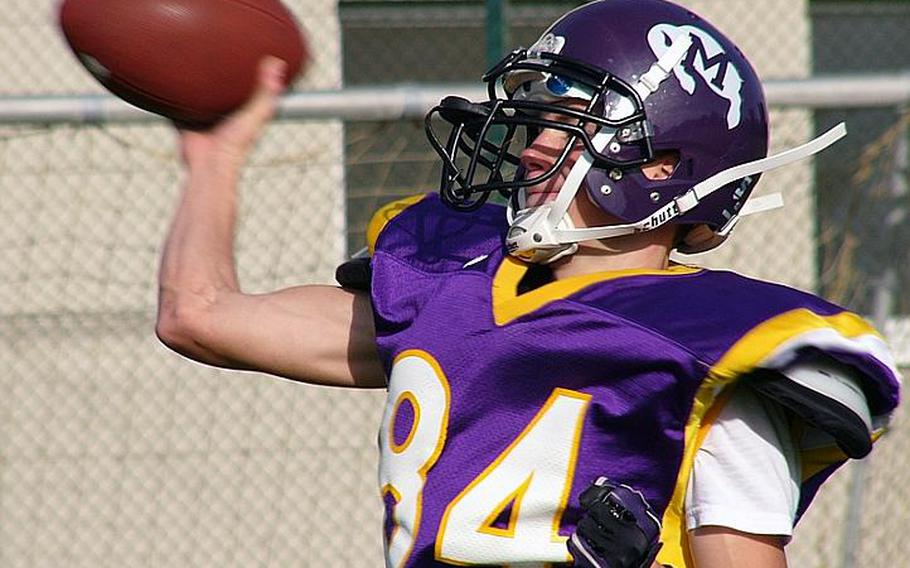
827	395
385	214
428	235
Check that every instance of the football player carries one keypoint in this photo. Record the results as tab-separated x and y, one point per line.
531	349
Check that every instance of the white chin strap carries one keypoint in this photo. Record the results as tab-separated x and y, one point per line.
542	227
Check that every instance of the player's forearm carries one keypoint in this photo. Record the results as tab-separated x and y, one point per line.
198	253
198	259
197	264
721	547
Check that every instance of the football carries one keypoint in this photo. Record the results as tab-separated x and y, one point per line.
192	61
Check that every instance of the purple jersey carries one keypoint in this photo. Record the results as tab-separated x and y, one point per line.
503	406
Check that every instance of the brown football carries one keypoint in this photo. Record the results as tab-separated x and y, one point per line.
192	61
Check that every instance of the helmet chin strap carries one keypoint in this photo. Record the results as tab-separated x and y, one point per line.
534	233
535	218
690	199
535	228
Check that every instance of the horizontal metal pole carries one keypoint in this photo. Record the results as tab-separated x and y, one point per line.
848	91
406	101
412	101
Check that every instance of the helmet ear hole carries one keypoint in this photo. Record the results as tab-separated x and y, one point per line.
662	167
694	239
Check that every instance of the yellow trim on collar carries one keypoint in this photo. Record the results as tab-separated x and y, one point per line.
508	305
385	214
750	350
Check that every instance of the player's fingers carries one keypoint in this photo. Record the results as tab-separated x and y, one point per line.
270	84
235	135
272	75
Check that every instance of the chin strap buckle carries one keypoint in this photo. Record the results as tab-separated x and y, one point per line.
687	201
531	236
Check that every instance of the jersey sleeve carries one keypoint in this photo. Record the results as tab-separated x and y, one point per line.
727	489
736	327
802	333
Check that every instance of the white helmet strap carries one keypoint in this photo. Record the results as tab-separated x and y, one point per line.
690	199
538	231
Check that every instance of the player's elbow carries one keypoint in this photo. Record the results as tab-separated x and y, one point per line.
182	326
172	330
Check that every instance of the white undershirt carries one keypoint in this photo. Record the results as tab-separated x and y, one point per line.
746	473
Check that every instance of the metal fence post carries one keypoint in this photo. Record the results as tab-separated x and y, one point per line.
497	30
883	310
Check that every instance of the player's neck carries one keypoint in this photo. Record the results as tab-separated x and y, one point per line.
628	255
648	250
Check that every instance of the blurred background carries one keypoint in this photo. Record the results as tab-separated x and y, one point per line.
117	452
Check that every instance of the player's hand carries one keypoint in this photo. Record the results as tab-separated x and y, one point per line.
231	139
618	529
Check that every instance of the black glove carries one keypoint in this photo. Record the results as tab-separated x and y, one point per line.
618	529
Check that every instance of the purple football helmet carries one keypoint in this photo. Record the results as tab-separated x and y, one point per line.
655	78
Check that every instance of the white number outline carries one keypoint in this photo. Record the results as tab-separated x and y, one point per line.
509	532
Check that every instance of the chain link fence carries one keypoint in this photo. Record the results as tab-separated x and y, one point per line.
117	452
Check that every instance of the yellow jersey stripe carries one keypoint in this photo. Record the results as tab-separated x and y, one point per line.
763	340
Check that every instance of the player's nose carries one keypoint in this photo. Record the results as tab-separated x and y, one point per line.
543	151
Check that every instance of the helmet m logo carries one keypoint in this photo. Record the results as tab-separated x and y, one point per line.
706	59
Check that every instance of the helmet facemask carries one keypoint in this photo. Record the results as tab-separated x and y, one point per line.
482	151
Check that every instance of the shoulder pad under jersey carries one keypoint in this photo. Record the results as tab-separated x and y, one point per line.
826	395
384	215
